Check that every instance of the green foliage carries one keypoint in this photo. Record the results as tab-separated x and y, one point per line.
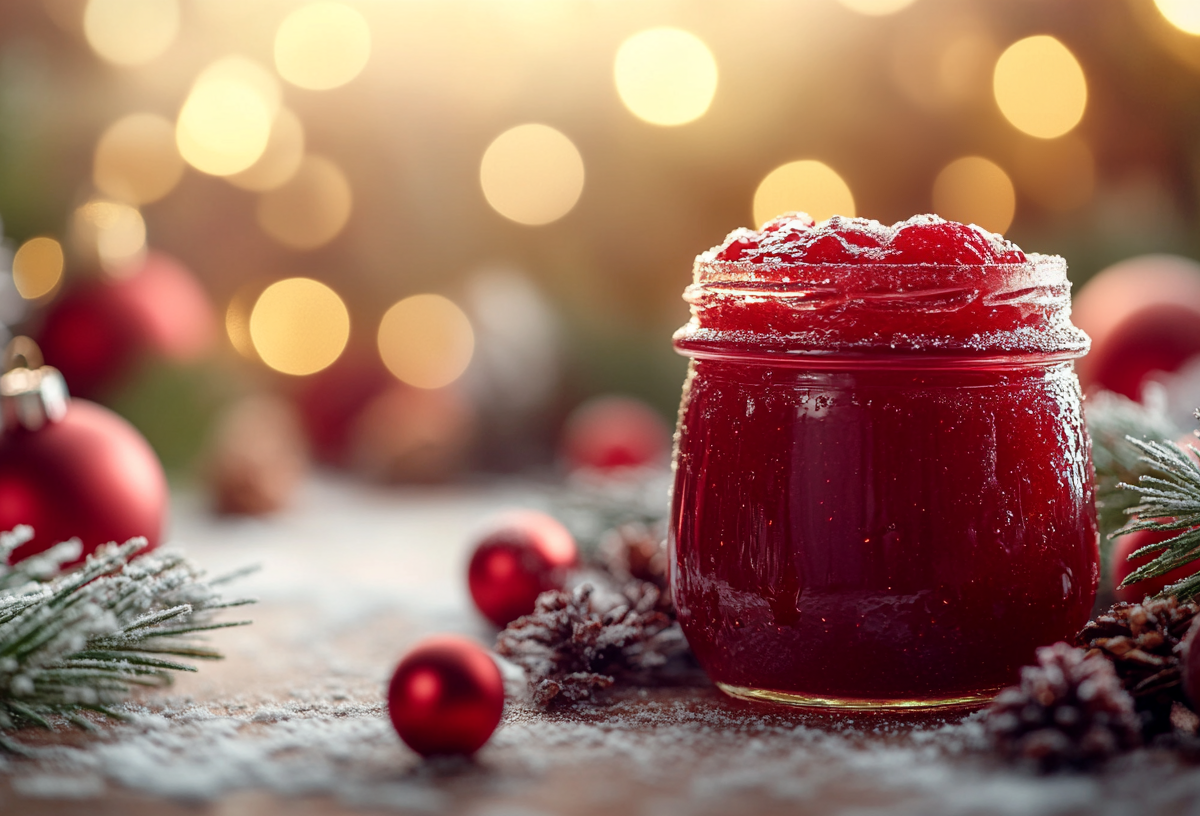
82	640
1168	499
1113	421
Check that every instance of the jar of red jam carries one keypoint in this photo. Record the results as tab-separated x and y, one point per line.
883	484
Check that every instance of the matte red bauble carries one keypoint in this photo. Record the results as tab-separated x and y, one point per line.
1143	315
615	432
101	327
446	696
70	468
525	554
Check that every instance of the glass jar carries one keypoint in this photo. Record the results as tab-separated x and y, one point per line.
883	484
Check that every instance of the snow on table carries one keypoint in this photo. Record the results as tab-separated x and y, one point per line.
351	577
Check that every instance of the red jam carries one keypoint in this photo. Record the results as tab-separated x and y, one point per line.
883	484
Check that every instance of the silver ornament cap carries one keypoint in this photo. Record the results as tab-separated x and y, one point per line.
31	394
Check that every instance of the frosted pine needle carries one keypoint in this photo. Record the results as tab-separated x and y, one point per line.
83	639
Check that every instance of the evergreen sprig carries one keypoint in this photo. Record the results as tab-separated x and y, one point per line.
1112	420
1168	500
81	640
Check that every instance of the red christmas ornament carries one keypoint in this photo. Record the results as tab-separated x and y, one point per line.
526	553
609	433
331	401
70	468
100	328
1143	315
446	697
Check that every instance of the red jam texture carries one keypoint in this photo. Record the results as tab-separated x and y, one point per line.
865	508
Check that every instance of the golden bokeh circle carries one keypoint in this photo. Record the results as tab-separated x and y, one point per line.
311	208
223	126
876	8
803	186
130	32
37	267
299	326
280	159
975	190
426	341
110	233
532	174
665	76
322	45
1040	87
1183	14
136	159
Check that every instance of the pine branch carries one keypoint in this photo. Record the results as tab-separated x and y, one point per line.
1168	499
1112	419
83	640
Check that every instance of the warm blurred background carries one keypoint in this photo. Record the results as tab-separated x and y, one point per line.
416	236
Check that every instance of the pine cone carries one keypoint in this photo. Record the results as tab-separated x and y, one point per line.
1143	641
1069	711
575	642
638	552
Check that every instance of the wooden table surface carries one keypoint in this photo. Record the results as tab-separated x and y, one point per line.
293	722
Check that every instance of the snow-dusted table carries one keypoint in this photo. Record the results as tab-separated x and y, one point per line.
293	721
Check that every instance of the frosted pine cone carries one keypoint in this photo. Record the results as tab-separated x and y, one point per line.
1069	711
1143	641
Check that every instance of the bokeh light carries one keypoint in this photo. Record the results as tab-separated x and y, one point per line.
876	8
111	234
37	267
803	186
131	32
666	76
225	123
311	208
975	190
299	326
426	341
280	159
1183	14
322	45
532	174
136	159
1040	87
237	321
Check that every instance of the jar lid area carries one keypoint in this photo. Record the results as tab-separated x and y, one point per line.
853	285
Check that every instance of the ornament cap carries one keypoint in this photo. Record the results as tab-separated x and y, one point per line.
31	394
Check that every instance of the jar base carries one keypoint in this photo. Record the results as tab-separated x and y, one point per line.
973	700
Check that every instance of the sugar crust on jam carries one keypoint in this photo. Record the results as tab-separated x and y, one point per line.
794	238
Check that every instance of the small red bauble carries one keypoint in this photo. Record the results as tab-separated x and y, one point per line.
70	468
446	696
607	433
525	554
1143	315
102	327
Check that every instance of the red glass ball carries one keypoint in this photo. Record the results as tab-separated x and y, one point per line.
524	555
90	476
446	696
607	433
102	327
1143	315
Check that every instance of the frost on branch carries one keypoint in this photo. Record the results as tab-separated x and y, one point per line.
83	639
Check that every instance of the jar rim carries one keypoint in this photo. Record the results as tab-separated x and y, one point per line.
976	310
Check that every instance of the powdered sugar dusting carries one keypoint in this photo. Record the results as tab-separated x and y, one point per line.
794	238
